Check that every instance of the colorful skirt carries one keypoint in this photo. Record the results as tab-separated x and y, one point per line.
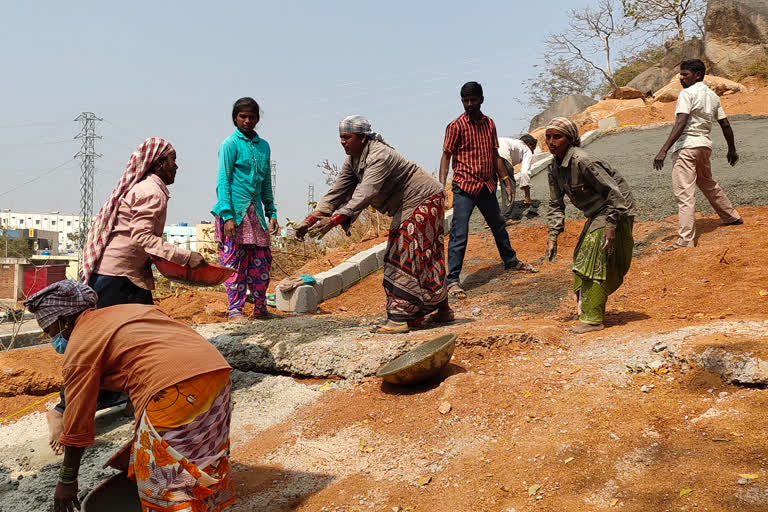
414	263
186	467
596	274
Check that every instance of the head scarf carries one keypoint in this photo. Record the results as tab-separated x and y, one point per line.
359	125
59	300
567	128
140	162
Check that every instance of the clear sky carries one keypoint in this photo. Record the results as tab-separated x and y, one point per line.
173	69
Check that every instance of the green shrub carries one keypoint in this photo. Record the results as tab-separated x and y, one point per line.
637	62
757	68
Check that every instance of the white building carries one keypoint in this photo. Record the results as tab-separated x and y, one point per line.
182	235
65	225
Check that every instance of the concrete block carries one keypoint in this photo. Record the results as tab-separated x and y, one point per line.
299	300
590	136
541	165
350	273
367	262
327	285
381	250
608	123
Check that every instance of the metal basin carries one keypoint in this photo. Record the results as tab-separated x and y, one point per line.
208	275
116	494
421	363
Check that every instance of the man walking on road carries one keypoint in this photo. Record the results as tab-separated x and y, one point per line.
513	152
697	107
471	142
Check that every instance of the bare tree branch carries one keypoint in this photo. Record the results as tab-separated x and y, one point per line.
591	31
660	18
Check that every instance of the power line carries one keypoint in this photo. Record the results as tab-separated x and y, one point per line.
39	177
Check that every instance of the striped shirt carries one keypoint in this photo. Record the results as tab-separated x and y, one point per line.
473	145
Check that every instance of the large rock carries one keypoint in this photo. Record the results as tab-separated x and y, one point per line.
624	93
657	76
564	107
736	33
649	81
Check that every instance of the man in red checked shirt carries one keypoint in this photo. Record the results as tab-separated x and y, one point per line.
471	141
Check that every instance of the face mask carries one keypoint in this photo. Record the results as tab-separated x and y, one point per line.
59	342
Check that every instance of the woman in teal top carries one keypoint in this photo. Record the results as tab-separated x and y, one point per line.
244	203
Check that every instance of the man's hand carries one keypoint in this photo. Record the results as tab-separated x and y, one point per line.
608	238
658	162
510	192
229	228
274	227
321	228
551	253
732	157
196	260
65	498
527	192
301	230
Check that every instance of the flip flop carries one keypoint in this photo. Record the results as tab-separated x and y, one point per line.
523	267
384	329
456	291
439	317
675	246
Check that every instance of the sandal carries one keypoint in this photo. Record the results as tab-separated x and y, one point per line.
523	267
583	328
386	329
238	319
441	317
456	291
675	246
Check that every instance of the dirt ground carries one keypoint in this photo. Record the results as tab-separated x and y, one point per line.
526	417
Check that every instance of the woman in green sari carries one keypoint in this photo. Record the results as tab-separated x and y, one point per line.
604	252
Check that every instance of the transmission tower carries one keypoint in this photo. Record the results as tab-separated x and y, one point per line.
87	156
310	198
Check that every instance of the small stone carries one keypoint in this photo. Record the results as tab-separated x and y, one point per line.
645	389
476	312
743	481
660	347
444	408
613	436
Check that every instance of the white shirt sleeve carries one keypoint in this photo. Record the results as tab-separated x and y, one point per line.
684	103
720	113
525	167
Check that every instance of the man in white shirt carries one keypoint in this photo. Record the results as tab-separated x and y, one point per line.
513	152
697	108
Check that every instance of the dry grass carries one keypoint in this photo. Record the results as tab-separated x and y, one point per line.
757	68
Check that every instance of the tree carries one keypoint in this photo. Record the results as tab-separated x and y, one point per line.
560	77
658	18
330	171
591	31
14	247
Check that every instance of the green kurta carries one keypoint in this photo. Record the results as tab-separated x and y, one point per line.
606	200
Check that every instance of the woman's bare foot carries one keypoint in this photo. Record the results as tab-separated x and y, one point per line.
55	428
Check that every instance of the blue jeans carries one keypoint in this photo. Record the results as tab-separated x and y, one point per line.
463	204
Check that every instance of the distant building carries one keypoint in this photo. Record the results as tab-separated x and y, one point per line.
67	226
181	235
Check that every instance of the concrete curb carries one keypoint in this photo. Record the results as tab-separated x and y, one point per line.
332	282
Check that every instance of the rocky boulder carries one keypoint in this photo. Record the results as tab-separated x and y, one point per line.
649	81
624	93
736	33
565	107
